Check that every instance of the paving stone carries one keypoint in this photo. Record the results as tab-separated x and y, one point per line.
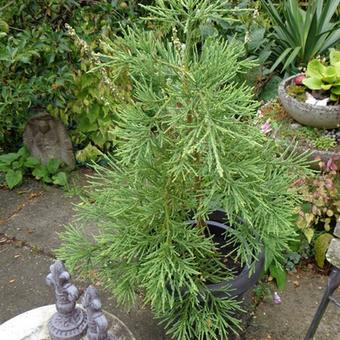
22	281
291	319
41	219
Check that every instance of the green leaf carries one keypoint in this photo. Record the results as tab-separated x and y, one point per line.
292	57
326	87
23	152
60	179
309	233
31	162
53	165
329	75
336	90
333	97
280	58
13	178
320	246
315	69
4	26
8	158
313	83
334	57
279	275
90	152
41	172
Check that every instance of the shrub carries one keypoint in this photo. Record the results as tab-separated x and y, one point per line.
41	68
187	145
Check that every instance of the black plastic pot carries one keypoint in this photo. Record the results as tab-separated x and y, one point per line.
217	225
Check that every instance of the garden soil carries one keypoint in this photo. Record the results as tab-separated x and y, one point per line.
31	217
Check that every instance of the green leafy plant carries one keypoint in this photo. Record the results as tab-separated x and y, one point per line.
301	35
321	208
187	145
321	77
41	69
325	142
15	165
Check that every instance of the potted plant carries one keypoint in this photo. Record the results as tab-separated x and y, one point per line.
187	148
313	98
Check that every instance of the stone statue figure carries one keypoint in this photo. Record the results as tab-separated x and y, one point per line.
97	322
69	323
46	138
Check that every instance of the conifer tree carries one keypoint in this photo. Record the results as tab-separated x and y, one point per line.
187	145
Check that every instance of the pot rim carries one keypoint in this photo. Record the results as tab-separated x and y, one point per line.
244	280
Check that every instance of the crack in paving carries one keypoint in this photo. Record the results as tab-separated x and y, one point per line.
33	196
13	241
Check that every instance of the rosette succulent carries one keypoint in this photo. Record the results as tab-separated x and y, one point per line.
325	77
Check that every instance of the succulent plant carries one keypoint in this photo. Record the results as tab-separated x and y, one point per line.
325	77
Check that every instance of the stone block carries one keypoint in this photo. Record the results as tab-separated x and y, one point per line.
333	253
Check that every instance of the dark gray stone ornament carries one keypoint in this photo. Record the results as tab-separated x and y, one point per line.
97	322
69	323
46	138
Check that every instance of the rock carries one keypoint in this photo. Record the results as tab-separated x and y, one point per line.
46	138
295	126
337	229
333	253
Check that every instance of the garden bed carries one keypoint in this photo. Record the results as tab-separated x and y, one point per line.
323	144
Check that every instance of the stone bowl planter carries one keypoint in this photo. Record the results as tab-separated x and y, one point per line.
326	117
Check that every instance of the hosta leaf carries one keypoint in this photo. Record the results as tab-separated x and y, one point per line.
13	178
320	246
60	178
313	83
31	162
53	165
41	172
8	158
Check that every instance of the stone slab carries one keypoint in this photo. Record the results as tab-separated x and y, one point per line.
22	281
11	201
291	319
41	218
337	229
333	253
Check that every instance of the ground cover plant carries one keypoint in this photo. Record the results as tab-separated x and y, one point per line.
275	121
15	165
187	145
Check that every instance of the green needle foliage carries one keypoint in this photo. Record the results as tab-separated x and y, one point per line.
187	145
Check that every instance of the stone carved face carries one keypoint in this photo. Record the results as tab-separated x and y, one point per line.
46	138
